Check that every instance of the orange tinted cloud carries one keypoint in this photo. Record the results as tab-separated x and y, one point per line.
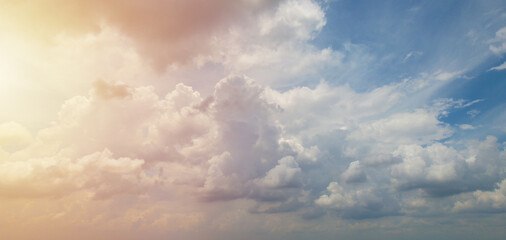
167	31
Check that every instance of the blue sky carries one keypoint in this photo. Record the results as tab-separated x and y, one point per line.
407	38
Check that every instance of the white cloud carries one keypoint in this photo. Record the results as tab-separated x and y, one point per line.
357	203
336	197
329	107
202	21
498	45
294	19
439	170
98	173
276	48
411	55
484	201
222	182
499	68
445	76
354	173
420	126
285	174
466	127
243	143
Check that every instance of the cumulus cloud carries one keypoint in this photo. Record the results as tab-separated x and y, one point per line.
99	173
417	180
276	49
484	201
354	173
440	171
242	143
285	174
131	123
259	162
221	181
357	204
231	136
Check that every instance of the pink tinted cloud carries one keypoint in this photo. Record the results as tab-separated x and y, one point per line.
167	32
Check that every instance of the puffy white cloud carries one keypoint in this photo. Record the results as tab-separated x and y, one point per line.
131	123
484	201
222	182
336	197
293	19
231	136
441	171
275	47
294	147
98	173
128	146
354	173
242	143
252	142
285	174
357	203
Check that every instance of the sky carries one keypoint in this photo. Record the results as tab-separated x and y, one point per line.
252	119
